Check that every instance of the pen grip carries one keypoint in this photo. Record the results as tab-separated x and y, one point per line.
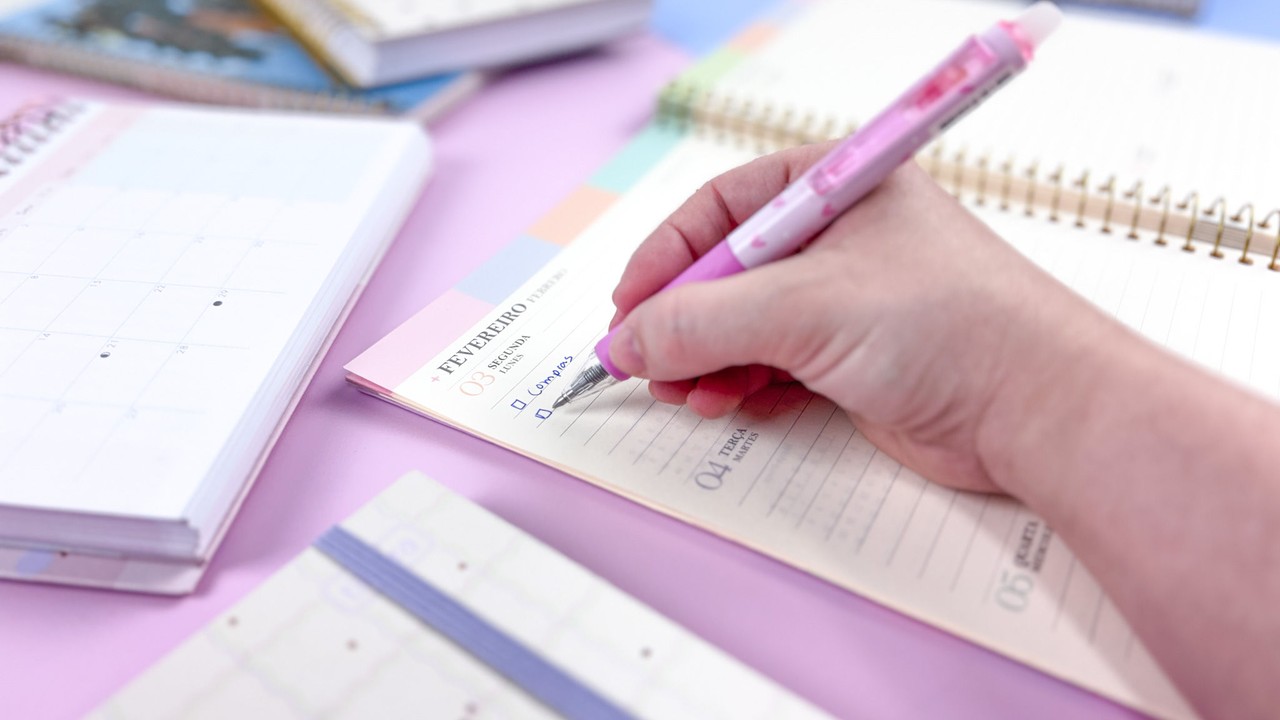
717	263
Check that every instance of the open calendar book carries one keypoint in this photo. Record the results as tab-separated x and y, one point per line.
1089	165
168	277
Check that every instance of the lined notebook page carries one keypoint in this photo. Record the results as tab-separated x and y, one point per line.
157	269
314	641
1141	100
789	474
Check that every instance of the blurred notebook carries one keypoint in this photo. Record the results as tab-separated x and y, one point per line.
375	42
226	52
169	276
424	605
1177	7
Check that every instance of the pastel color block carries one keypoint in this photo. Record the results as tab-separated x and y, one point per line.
568	219
701	26
507	270
713	67
399	355
634	160
754	37
34	562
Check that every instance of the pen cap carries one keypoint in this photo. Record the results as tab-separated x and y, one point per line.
1039	21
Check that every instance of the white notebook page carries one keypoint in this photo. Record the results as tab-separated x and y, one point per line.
155	264
1142	100
315	641
788	473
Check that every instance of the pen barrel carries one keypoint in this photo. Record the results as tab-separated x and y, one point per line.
719	262
859	163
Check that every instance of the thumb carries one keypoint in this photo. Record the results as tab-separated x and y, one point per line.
764	316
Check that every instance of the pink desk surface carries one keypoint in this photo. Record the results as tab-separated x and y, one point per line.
528	139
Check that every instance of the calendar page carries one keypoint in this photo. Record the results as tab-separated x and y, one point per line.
166	277
317	640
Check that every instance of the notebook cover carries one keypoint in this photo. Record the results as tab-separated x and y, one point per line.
224	51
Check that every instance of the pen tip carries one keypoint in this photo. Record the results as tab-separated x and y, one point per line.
560	402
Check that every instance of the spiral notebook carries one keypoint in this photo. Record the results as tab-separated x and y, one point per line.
1130	161
424	605
168	277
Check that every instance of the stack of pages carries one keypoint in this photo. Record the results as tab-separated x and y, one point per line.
168	277
375	42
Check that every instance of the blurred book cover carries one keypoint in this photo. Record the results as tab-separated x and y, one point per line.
1185	8
216	51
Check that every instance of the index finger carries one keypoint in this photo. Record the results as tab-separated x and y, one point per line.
705	219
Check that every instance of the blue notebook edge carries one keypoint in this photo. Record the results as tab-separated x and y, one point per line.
215	51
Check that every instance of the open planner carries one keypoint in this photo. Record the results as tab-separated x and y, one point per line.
168	277
424	605
1131	162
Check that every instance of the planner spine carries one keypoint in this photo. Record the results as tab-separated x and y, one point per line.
1112	207
29	127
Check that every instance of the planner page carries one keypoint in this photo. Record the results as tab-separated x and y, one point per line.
317	640
166	278
788	473
1107	95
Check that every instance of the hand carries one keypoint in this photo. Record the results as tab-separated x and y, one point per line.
907	312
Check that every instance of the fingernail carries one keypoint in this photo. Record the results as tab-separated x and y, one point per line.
624	351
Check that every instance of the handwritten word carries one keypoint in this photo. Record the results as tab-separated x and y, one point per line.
556	374
484	337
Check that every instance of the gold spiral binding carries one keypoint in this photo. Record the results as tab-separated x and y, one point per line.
935	159
1220	206
1248	236
1056	178
983	163
1165	196
689	106
1193	201
958	185
1110	189
1006	185
1083	183
1033	171
1275	249
1135	194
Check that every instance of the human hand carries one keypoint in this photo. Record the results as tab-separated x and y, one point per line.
907	312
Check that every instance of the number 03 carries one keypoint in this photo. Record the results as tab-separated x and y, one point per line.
476	385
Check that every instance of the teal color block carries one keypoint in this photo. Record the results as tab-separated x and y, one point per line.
637	158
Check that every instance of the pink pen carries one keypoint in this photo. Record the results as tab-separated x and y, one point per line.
857	165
